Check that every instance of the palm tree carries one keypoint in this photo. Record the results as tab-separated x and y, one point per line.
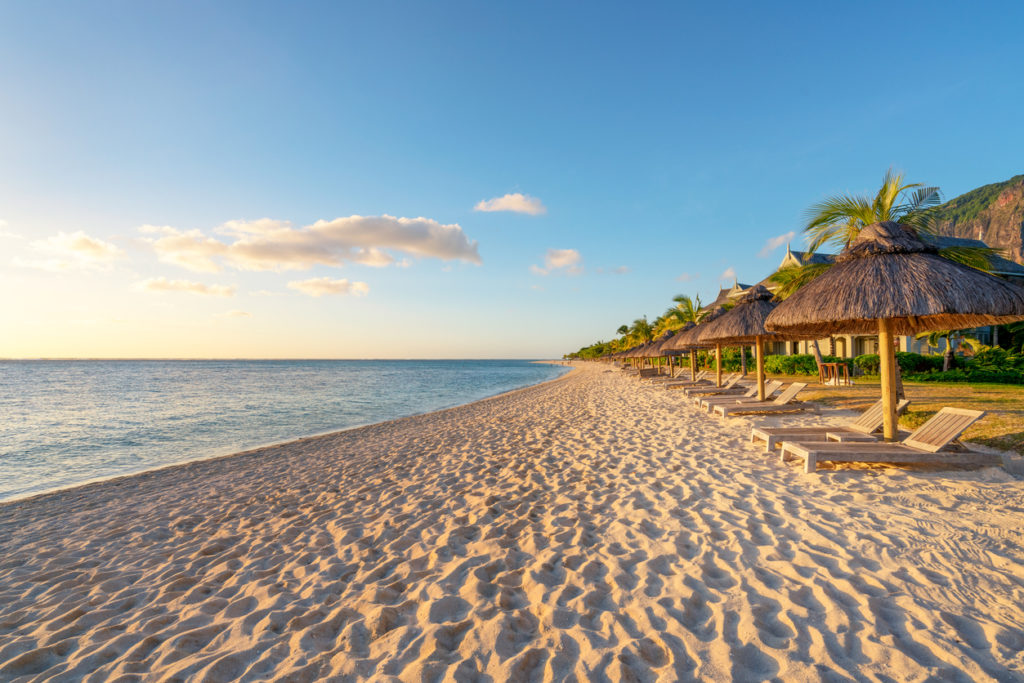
837	220
949	335
686	310
933	341
641	331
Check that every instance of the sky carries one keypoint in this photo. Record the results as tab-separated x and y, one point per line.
453	179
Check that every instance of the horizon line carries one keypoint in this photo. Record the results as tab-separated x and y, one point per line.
182	358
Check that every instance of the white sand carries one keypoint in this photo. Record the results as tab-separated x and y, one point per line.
587	528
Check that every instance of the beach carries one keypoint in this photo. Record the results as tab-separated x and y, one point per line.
586	528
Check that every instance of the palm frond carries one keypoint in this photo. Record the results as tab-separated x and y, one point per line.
792	278
924	198
837	220
973	257
885	206
688	310
934	337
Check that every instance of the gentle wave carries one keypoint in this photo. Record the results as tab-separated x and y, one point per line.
64	423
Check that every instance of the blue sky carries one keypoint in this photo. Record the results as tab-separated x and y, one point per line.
667	140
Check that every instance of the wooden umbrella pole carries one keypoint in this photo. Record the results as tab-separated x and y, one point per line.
693	365
718	365
887	356
759	349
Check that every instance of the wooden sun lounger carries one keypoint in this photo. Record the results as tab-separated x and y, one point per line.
728	386
861	429
781	404
750	396
704	381
679	380
925	444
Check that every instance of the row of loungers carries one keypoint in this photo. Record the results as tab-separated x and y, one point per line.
858	441
931	442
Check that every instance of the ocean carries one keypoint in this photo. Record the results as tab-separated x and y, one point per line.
64	423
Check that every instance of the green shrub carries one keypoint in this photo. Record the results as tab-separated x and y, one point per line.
799	364
970	375
915	362
869	363
993	358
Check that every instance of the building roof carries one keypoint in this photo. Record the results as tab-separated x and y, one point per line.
999	264
803	258
725	295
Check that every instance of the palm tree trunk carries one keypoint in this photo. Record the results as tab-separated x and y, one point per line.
817	354
947	357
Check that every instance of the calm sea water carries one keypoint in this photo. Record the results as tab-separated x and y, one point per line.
68	422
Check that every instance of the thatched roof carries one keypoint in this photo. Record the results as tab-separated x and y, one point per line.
638	350
889	273
745	322
669	346
628	353
658	347
686	338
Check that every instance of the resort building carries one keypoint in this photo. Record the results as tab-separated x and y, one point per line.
852	345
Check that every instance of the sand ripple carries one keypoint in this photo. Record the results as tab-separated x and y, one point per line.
587	529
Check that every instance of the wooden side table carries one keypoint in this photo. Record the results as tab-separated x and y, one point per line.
834	373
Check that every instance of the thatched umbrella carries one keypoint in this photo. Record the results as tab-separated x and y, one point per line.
687	340
638	353
890	282
657	348
744	324
671	347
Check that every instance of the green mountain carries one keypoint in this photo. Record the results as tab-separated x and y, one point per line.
992	213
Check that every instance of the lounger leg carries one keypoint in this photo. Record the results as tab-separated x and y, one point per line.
769	443
782	455
811	463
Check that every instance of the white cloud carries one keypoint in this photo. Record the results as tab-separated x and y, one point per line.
568	261
319	286
688	277
162	284
728	274
4	232
518	203
268	244
775	242
72	251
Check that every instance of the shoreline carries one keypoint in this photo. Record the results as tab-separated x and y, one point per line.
586	527
263	446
